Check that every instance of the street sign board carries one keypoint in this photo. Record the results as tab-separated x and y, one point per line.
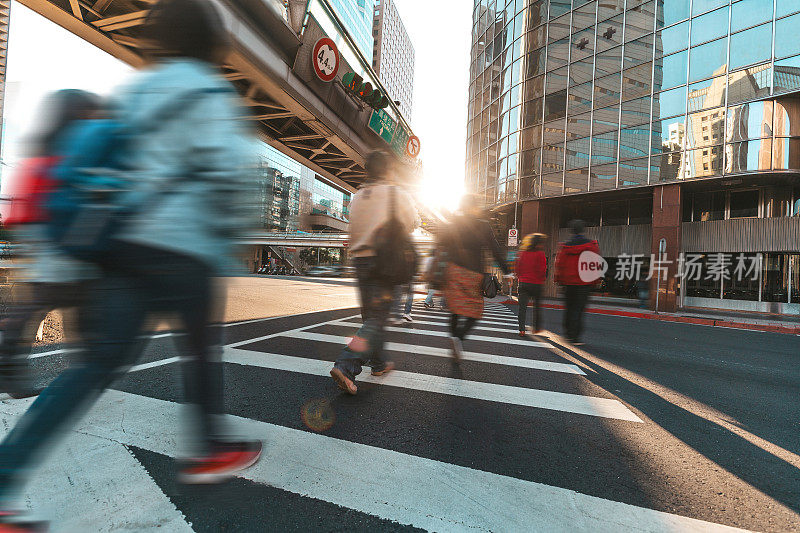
413	146
384	125
513	237
401	136
325	59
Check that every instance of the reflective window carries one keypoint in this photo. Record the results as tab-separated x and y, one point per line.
637	81
556	80
751	46
580	98
603	177
667	167
633	172
785	7
749	121
671	11
606	90
670	103
576	180
533	88
706	128
531	138
578	153
707	94
604	148
786	41
787	74
636	111
558	29
701	6
609	33
786	154
634	142
710	26
554	132
532	113
704	162
608	62
708	60
638	51
552	184
557	54
605	119
750	83
559	7
582	44
581	71
672	39
606	10
787	118
639	22
669	135
583	17
535	38
579	126
748	13
553	157
670	71
748	156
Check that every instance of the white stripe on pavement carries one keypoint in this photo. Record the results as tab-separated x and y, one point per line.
492	392
492	314
478	325
516	340
280	333
443	352
446	318
408	489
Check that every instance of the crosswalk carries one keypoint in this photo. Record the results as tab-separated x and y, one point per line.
434	445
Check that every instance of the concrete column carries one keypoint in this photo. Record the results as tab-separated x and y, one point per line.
666	225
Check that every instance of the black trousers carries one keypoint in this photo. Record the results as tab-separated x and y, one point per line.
459	328
528	292
576	297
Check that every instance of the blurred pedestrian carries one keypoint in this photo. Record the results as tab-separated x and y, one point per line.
377	207
531	270
165	256
51	278
464	240
576	288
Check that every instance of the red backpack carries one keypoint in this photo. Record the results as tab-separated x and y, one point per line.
27	191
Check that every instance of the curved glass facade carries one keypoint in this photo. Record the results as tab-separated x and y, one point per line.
582	96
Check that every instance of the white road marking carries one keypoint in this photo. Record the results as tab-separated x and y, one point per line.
273	335
516	340
409	326
445	317
154	364
408	489
443	352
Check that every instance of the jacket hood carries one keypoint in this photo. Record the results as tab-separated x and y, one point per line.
577	249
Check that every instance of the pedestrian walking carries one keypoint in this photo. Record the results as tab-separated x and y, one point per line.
576	289
382	217
531	271
51	279
464	240
168	250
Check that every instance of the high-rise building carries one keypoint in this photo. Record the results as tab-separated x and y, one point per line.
651	120
356	16
393	55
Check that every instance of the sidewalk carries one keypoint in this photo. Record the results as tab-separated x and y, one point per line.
789	325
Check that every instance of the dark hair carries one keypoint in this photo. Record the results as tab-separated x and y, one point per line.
58	111
577	226
378	164
187	28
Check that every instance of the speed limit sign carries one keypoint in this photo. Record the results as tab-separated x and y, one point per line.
413	146
325	58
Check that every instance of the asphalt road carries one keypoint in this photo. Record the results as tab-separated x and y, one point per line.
649	426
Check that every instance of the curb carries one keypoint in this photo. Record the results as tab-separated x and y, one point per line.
788	330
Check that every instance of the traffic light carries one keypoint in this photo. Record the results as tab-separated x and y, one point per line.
374	98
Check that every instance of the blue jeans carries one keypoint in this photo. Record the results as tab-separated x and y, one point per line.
408	291
138	280
376	305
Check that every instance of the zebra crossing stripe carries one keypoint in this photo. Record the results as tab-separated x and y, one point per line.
492	392
401	487
445	317
443	352
502	340
443	323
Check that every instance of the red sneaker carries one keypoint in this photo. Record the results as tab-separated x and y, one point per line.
226	459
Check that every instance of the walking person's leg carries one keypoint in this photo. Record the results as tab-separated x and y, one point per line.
536	293
429	299
455	340
569	311
582	298
409	302
522	295
465	327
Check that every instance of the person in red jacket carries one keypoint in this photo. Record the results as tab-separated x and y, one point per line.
531	270
576	287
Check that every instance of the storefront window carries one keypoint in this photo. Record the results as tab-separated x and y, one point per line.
700	286
744	204
775	277
794	264
741	284
709	206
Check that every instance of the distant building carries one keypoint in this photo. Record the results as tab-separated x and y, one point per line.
356	15
393	55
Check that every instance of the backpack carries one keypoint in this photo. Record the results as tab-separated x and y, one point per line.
490	286
92	198
395	255
27	191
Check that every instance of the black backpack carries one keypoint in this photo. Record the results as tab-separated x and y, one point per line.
395	256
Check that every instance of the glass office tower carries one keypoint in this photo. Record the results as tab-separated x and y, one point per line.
598	109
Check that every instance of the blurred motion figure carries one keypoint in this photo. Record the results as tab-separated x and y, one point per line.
531	270
169	248
576	289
